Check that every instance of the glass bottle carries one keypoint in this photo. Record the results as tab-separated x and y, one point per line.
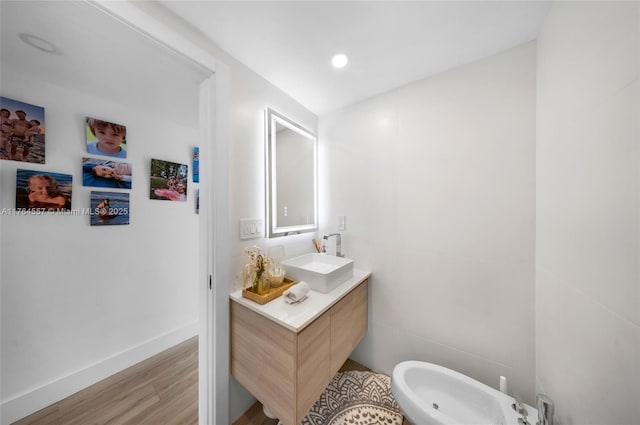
261	283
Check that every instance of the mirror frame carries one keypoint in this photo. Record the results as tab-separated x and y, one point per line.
272	118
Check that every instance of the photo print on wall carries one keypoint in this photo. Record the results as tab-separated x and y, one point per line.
23	131
106	173
106	138
196	165
43	191
168	180
109	208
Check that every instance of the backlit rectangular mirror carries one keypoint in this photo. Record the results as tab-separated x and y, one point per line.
292	183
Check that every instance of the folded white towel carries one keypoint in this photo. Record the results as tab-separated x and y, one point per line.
297	293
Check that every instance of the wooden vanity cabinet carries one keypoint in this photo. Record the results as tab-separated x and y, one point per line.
287	371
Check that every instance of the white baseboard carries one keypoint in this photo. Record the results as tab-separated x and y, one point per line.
32	401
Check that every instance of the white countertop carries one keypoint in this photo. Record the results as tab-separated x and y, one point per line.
296	316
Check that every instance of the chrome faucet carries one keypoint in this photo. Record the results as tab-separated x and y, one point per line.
338	243
545	409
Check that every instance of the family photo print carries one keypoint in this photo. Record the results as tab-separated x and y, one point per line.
22	132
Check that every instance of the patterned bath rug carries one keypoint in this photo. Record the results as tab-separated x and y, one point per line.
355	398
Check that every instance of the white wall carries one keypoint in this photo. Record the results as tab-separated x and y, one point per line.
74	295
588	210
437	182
81	302
250	95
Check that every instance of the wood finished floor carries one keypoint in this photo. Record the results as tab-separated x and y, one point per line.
160	390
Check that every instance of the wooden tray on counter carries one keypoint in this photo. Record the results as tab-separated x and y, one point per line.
271	294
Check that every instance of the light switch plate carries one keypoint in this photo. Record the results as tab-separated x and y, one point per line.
342	222
251	228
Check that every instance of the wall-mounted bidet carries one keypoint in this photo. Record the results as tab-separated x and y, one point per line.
429	394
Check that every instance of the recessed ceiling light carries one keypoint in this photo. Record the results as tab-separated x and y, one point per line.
339	61
39	43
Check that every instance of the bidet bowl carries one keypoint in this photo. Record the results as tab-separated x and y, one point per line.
322	272
429	394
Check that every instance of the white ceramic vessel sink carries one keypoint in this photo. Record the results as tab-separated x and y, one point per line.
429	394
322	272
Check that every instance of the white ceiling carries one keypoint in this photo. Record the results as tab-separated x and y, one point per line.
389	43
97	55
